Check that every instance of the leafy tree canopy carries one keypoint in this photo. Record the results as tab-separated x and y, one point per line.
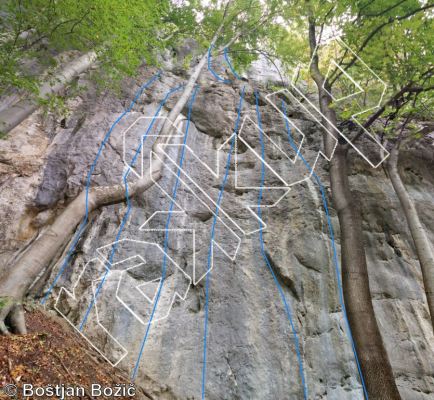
123	33
392	37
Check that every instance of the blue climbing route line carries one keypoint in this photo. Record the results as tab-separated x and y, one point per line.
335	256
267	261
89	177
228	62
125	218
210	250
210	69
166	234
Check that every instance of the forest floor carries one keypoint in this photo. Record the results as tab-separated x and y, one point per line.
53	353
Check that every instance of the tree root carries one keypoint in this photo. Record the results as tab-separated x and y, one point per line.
12	316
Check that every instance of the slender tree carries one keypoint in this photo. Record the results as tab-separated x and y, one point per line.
365	27
409	70
46	34
231	23
39	30
424	249
375	364
22	109
407	124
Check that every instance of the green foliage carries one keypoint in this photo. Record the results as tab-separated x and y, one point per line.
248	21
402	54
394	38
4	301
125	34
55	104
187	61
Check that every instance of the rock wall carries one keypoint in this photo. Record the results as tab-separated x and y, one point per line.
251	346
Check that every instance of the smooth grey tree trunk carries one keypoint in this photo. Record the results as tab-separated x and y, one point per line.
17	113
16	281
422	244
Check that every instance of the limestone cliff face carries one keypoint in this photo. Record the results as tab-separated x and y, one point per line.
251	345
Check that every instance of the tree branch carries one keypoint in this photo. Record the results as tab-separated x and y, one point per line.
375	32
409	88
379	14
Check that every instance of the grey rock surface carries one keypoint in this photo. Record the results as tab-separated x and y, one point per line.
251	345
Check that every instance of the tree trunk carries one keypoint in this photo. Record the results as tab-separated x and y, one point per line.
13	116
16	281
422	244
374	362
22	273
